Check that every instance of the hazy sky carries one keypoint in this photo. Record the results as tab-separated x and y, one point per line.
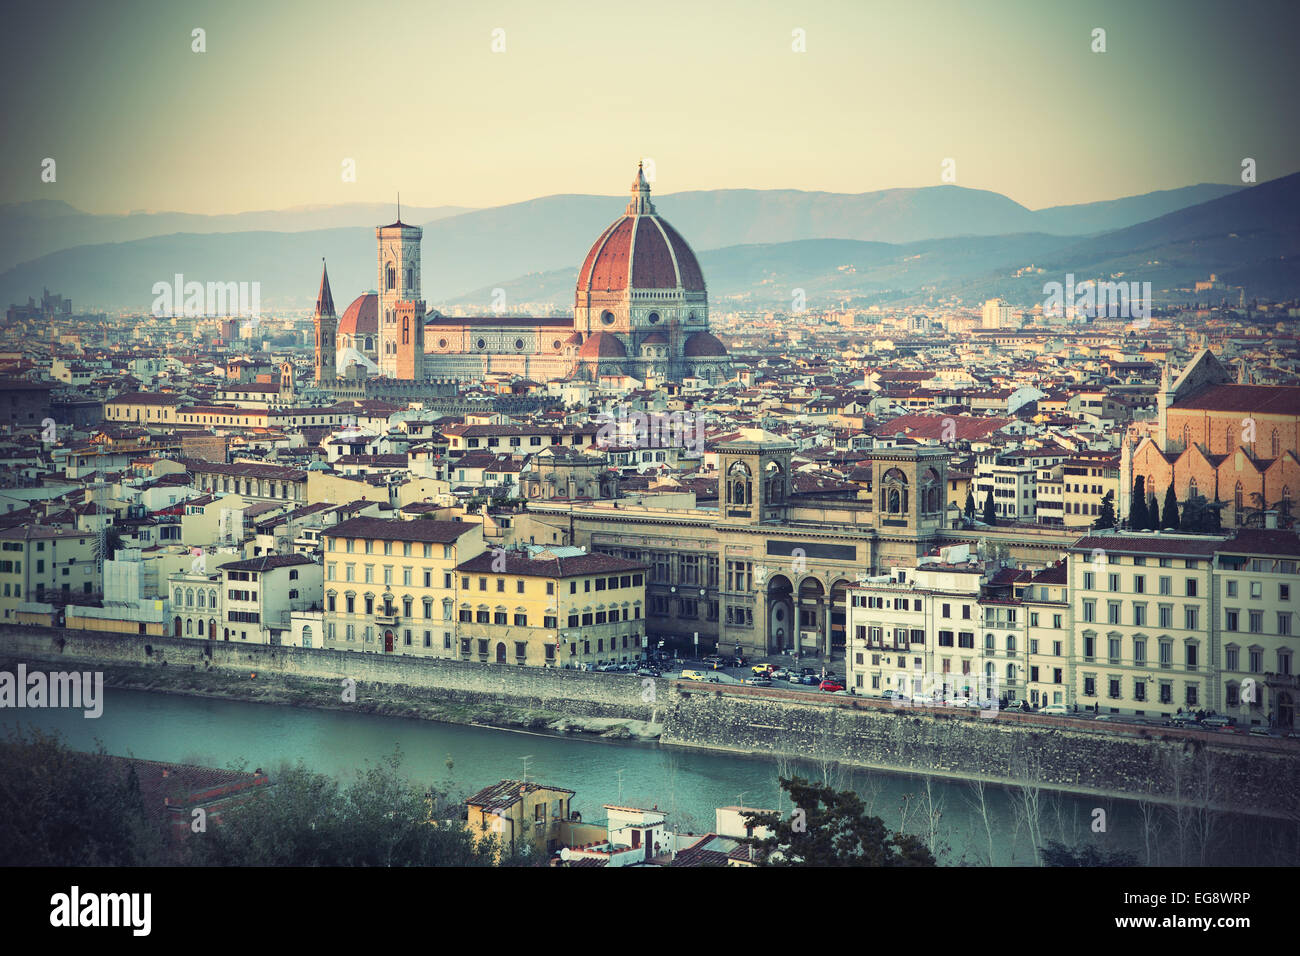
711	90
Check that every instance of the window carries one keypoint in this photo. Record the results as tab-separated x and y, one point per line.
1191	587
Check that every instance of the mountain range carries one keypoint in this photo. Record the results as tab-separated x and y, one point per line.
897	245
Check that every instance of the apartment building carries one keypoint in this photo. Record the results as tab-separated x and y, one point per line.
916	622
46	564
1049	637
260	594
1086	481
391	585
550	606
1143	607
1256	590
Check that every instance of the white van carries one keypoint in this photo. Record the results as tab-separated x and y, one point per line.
1055	710
693	675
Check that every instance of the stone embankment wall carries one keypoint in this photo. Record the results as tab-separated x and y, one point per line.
562	693
1230	773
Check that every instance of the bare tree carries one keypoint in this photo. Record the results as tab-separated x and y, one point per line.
1027	802
978	800
1150	812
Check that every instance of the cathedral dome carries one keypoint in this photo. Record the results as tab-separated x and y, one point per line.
361	317
640	251
602	345
703	345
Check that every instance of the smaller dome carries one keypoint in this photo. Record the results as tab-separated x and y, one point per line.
655	338
703	345
601	346
361	317
318	466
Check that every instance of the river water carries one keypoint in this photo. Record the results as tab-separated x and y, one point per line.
688	784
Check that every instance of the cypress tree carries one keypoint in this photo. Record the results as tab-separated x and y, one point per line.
1153	512
970	505
1106	520
1137	506
990	512
1169	517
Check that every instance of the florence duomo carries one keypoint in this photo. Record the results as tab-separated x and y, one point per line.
640	310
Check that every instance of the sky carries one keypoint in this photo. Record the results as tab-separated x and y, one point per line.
715	93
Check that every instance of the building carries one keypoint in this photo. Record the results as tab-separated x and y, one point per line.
1143	608
519	813
261	593
46	565
1256	595
640	310
391	585
1228	442
550	606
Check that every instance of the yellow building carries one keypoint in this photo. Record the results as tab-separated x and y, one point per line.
391	586
44	564
550	606
1086	479
1048	636
517	812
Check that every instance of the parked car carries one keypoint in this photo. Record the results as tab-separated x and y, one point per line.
1017	705
810	680
713	679
794	678
765	669
960	702
1055	710
761	681
779	673
694	675
807	671
1259	732
1180	720
1216	722
830	685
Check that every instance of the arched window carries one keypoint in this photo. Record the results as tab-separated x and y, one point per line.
1231	437
1011	676
189	627
1187	436
410	278
1274	445
1011	644
178	597
1191	488
1237	500
203	597
189	597
212	598
406	330
893	493
390	277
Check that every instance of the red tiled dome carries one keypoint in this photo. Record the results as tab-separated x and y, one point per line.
703	345
640	251
361	317
602	345
655	338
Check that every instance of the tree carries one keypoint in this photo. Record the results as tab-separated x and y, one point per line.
60	807
990	512
1058	854
830	829
1153	512
1106	520
381	819
1137	506
1169	516
969	510
1215	517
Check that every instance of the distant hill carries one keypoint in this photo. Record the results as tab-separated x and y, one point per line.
517	246
29	230
1247	238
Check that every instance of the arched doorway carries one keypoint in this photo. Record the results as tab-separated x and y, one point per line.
501	653
780	638
212	628
1285	710
388	642
176	625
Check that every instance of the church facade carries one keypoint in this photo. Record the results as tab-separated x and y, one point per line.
640	310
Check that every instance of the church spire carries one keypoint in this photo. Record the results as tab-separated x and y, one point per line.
640	204
324	299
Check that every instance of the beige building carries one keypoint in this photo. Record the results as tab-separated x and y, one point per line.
550	606
1143	619
391	585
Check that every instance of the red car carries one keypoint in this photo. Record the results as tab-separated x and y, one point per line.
831	686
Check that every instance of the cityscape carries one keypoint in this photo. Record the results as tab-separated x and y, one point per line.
642	503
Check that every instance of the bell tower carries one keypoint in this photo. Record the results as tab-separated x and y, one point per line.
326	323
399	282
754	482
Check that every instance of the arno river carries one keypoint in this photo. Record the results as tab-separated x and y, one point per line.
687	784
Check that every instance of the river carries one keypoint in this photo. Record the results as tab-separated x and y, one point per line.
688	784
